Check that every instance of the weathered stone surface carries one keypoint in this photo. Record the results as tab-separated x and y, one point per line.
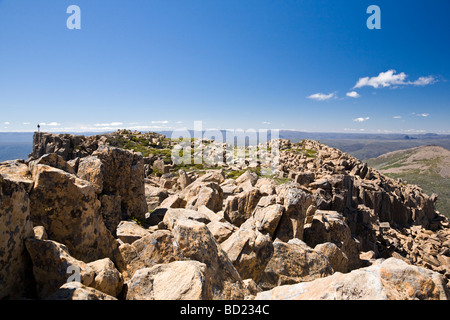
203	193
183	180
92	169
175	214
130	231
174	201
53	266
15	227
294	262
330	226
240	207
53	160
40	233
78	291
267	215
195	242
249	178
123	175
154	196
111	211
156	248
69	210
295	202
338	260
17	171
221	230
107	278
249	250
180	280
392	279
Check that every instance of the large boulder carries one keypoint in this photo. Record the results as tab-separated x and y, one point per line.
123	175
107	278
18	172
180	280
203	192
15	227
240	207
195	242
294	262
267	215
92	169
295	202
331	226
249	250
68	209
130	231
393	279
156	248
53	266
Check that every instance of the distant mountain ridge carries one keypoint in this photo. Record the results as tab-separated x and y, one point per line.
425	166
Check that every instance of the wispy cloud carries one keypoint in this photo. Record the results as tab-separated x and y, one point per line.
6	123
397	117
361	119
160	122
112	124
322	96
421	114
392	78
26	123
353	94
50	124
266	122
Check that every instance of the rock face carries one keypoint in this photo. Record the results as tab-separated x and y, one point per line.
78	291
53	265
15	227
123	175
294	262
157	283
68	209
385	281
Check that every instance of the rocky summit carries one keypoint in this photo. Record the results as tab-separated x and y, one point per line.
113	217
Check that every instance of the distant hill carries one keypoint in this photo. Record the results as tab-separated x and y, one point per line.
425	166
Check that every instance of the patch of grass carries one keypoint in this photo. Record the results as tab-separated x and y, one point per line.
139	221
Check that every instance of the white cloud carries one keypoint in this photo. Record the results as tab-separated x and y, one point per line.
322	96
361	119
424	81
384	79
160	122
26	123
179	122
266	122
392	78
397	117
422	114
6	123
112	124
50	124
353	94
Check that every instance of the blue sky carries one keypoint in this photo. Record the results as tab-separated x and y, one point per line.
163	64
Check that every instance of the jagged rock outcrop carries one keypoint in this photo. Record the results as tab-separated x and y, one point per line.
53	265
15	227
294	262
385	281
68	208
157	283
317	226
